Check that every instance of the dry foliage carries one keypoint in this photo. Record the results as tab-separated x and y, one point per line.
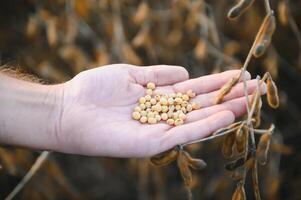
59	38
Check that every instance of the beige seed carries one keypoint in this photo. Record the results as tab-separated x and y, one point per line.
164	116
178	107
185	97
158	117
151	120
170	122
164	109
163	101
149	91
153	101
147	97
143	113
195	106
175	115
137	109
143	119
190	93
136	115
170	101
178	100
170	114
148	104
158	107
178	122
182	116
171	108
142	106
151	86
148	110
184	103
189	107
165	96
184	110
179	95
157	97
142	100
150	115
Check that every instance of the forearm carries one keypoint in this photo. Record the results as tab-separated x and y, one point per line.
29	113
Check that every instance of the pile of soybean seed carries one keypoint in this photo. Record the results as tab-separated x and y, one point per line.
171	108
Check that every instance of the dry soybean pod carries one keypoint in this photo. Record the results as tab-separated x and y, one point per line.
183	165
195	163
257	110
241	138
263	148
227	148
232	165
272	93
239	8
226	89
264	36
164	158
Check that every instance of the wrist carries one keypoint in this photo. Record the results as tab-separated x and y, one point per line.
29	113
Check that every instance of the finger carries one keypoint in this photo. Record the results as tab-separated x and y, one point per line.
236	106
159	74
208	83
206	100
196	130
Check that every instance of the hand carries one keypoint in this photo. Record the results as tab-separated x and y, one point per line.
97	106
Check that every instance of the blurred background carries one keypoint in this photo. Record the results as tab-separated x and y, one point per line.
56	39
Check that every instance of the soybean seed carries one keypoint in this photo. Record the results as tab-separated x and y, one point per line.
136	115
151	86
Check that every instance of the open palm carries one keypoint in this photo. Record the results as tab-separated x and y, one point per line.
97	106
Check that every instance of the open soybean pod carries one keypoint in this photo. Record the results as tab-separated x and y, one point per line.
264	35
239	193
241	138
164	158
227	148
263	148
272	93
195	163
183	165
239	8
226	89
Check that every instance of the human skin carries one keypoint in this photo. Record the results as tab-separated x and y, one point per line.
91	113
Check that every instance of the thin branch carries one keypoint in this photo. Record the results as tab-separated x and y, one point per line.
34	168
267	6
